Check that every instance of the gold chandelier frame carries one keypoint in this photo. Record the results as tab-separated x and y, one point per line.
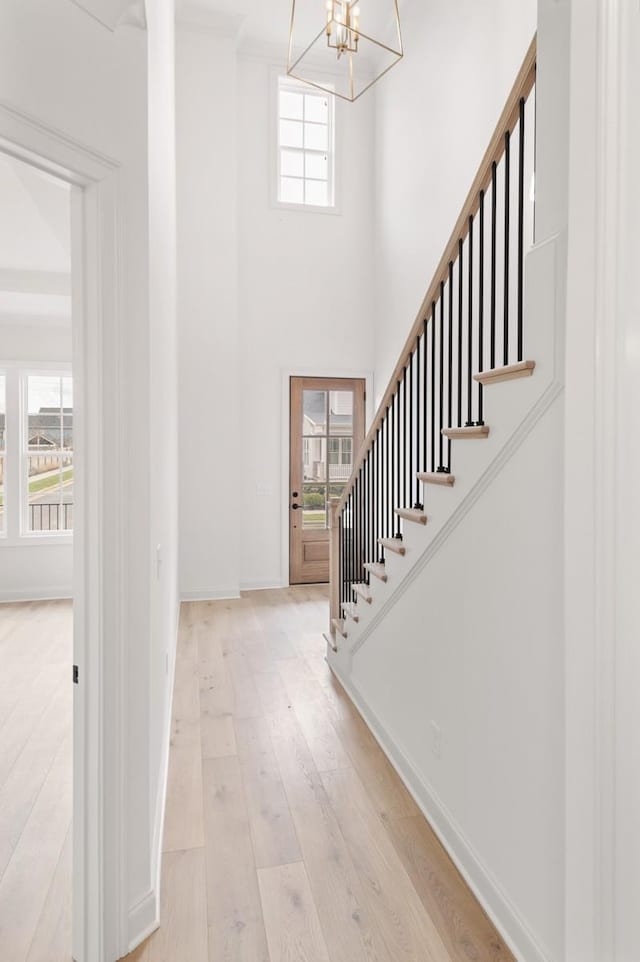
292	66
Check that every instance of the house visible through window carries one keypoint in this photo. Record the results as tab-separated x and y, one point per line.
48	453
305	145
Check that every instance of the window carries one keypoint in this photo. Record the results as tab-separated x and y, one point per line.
305	145
3	448
48	453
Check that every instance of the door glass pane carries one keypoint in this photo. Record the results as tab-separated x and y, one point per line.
340	459
314	412
314	459
314	501
341	412
50	502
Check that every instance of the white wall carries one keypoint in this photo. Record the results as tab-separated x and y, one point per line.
435	113
262	291
208	316
306	303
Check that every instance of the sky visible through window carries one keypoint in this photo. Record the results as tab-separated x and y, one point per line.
49	391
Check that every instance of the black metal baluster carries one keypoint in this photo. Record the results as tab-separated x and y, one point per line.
340	565
470	330
521	233
410	434
481	309
352	542
403	449
397	453
419	410
425	420
450	365
507	185
393	459
361	506
494	187
460	310
433	385
441	467
389	447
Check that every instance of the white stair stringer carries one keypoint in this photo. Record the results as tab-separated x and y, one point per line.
512	410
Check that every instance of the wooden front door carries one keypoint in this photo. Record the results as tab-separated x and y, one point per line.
327	431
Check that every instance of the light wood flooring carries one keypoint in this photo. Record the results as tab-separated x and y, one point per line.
35	781
288	835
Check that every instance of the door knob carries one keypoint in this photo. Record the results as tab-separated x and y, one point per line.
294	506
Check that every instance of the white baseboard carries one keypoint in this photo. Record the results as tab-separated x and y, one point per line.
60	593
144	918
209	594
480	880
263	584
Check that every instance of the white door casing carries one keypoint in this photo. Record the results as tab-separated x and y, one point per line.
100	575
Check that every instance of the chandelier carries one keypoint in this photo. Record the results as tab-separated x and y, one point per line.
345	47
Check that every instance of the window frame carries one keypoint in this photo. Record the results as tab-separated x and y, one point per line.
281	81
26	453
15	532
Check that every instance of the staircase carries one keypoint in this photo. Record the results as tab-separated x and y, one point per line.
468	338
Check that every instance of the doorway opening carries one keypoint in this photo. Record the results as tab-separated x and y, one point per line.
327	418
36	563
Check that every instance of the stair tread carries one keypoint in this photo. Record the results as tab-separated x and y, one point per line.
377	570
362	590
507	373
411	514
476	431
351	611
339	626
436	477
393	544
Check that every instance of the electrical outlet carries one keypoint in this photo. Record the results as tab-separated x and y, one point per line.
436	740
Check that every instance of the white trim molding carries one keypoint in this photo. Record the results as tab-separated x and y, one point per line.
99	870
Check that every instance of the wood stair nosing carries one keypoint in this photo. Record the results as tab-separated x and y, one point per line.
362	590
351	611
477	431
377	570
393	544
339	626
330	640
507	373
411	514
437	477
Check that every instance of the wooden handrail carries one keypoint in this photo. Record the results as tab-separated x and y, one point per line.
508	119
